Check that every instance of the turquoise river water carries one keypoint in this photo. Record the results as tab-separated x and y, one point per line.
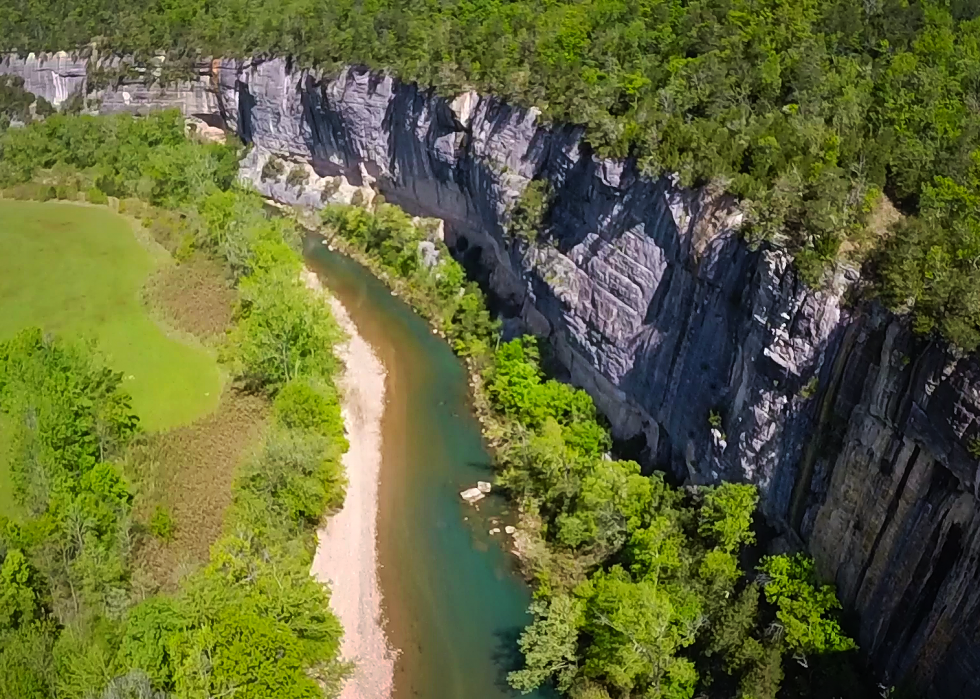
454	601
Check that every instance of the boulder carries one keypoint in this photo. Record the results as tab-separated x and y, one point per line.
483	486
428	253
472	495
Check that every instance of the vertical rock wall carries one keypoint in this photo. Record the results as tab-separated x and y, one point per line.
60	76
857	433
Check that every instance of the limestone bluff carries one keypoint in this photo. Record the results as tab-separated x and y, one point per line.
856	432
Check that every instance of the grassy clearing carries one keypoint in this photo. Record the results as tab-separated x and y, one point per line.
188	472
78	271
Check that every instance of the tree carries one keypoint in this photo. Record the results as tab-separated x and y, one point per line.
612	500
803	605
636	629
297	475
26	663
19	599
282	333
550	644
930	266
726	515
151	630
305	406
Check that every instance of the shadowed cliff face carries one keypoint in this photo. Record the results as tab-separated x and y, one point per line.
856	432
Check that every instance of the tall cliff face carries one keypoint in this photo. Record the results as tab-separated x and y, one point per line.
856	432
60	76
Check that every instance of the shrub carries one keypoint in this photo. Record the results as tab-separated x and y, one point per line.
297	476
330	187
297	177
714	419
162	525
300	405
528	214
94	195
974	447
810	389
272	170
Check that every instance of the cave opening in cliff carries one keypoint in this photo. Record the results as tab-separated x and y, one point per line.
470	256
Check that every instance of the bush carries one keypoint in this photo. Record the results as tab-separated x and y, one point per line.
297	476
94	195
297	177
162	525
330	187
272	170
528	214
300	405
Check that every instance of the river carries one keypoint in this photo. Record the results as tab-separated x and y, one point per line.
454	602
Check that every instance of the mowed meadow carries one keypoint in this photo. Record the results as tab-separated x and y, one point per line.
79	271
89	274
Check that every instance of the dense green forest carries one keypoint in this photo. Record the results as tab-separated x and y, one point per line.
805	109
74	622
641	589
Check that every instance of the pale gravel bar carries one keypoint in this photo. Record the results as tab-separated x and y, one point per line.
347	551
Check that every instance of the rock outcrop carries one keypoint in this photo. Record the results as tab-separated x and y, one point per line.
714	358
58	77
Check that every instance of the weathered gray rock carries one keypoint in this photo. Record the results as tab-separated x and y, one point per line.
428	253
56	77
659	310
60	76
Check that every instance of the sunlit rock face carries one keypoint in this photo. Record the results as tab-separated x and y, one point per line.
857	433
59	76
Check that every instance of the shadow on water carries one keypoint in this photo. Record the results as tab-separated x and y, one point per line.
506	655
454	601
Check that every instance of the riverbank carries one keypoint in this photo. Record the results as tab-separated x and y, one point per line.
347	551
453	606
525	542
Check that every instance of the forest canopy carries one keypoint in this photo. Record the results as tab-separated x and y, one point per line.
807	110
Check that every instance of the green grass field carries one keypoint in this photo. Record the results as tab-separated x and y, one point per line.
77	271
